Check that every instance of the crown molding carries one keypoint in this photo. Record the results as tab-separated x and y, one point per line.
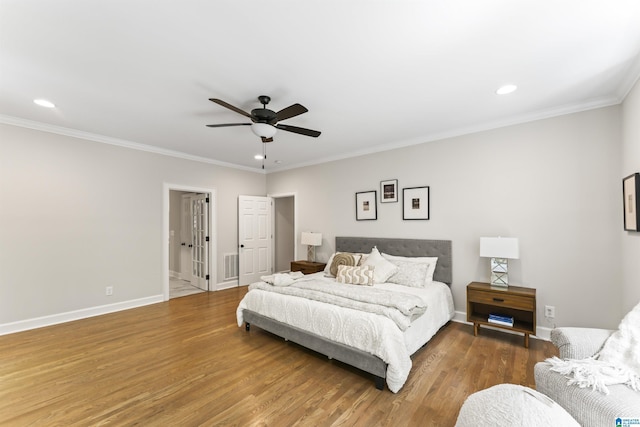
60	130
509	121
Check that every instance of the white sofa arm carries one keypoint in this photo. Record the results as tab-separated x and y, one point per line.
578	343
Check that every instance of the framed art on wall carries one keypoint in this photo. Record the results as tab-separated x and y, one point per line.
415	203
389	191
366	206
631	193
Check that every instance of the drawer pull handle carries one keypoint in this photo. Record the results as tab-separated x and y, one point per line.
498	300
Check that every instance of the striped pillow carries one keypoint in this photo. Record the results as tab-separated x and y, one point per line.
362	275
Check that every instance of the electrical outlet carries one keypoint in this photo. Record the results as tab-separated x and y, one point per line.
108	290
549	311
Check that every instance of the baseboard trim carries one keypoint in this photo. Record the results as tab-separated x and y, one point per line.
542	333
225	285
54	319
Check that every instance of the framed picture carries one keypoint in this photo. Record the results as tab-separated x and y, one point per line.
389	191
415	203
366	205
631	193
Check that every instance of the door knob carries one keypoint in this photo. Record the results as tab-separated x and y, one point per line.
242	246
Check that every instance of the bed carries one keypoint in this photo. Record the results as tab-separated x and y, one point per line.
368	341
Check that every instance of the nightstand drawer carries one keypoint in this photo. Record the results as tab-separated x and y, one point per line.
501	300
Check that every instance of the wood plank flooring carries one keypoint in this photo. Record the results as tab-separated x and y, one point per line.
185	362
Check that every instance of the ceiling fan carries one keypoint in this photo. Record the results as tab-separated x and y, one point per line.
265	122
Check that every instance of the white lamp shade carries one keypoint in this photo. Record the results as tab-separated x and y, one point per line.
263	129
499	247
311	239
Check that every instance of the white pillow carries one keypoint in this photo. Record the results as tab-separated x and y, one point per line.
327	268
362	275
383	269
431	261
411	274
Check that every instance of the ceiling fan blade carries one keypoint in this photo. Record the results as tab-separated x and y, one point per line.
228	124
291	111
230	107
301	131
266	139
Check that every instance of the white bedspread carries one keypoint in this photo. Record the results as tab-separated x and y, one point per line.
400	307
365	331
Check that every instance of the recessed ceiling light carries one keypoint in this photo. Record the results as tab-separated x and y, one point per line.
258	157
503	90
44	103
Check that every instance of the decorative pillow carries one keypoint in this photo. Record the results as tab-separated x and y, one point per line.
431	261
411	274
383	269
362	275
341	259
327	269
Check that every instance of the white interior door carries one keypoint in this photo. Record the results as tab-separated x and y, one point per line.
200	241
254	238
186	228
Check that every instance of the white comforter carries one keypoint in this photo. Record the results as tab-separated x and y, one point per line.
365	331
402	308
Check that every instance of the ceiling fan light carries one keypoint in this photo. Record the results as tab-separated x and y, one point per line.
506	89
263	130
44	103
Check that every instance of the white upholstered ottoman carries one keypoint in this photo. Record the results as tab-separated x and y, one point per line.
512	405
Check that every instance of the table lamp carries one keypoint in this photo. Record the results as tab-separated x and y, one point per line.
500	250
311	240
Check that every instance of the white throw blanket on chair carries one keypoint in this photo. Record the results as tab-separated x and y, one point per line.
617	363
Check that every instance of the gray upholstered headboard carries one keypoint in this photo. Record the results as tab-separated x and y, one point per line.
404	247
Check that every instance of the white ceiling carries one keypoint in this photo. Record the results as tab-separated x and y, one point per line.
373	74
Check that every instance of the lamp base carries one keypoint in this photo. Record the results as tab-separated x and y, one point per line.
499	272
311	253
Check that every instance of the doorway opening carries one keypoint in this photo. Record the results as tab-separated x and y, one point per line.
190	240
284	231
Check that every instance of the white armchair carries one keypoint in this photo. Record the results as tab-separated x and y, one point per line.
590	408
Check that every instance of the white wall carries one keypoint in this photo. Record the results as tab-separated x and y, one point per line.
77	216
631	164
554	184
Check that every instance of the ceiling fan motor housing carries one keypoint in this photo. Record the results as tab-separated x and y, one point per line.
264	115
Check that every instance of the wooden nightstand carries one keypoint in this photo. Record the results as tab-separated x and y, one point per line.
307	267
514	301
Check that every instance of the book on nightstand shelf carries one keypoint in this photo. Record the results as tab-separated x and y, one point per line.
501	320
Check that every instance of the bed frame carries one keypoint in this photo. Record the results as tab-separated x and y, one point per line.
352	356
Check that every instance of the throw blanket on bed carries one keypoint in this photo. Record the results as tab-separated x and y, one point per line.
282	279
617	363
400	307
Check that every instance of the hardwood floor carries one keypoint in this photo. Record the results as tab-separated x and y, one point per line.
185	362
